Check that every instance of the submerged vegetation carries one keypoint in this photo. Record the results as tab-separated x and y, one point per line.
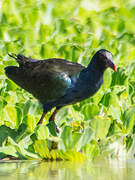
103	125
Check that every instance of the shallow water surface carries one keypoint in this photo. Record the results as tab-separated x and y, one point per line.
103	170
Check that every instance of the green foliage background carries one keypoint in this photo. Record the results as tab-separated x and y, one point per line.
103	125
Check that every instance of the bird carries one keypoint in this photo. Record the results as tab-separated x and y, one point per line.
58	82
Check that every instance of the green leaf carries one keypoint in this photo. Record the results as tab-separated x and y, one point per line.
42	132
100	126
90	110
8	150
129	120
75	139
41	148
129	142
52	128
85	138
21	132
26	108
119	77
5	132
66	137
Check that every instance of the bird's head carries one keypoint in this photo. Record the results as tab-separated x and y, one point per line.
103	60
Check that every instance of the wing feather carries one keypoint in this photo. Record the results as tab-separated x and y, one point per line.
46	79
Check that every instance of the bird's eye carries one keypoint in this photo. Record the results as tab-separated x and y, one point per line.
101	56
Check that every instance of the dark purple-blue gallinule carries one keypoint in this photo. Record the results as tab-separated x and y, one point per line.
58	82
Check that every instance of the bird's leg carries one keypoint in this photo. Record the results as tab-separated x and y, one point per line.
46	109
52	118
41	119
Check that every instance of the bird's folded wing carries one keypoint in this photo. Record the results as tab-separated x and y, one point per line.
47	79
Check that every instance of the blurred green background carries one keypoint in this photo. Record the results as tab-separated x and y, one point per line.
102	125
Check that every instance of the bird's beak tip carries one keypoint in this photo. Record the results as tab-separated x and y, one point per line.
114	68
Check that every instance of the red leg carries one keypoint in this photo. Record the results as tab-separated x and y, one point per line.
52	118
41	119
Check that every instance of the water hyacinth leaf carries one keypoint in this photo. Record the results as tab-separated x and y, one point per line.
62	114
131	70
11	98
121	26
75	139
41	148
106	98
66	137
129	120
90	110
114	106
8	150
19	114
131	91
52	128
26	108
20	133
111	129
53	154
75	115
119	89
131	152
85	138
39	30
10	85
107	80
91	150
98	96
115	112
6	132
100	125
30	120
42	132
35	108
21	147
116	127
119	77
43	50
129	142
11	114
70	155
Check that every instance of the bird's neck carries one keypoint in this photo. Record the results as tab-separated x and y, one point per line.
95	75
91	76
96	65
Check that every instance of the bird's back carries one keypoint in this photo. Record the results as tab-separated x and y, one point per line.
46	79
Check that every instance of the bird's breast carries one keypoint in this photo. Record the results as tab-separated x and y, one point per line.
95	86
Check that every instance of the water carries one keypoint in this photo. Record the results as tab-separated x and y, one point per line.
102	170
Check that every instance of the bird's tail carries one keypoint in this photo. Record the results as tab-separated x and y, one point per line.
13	55
21	59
